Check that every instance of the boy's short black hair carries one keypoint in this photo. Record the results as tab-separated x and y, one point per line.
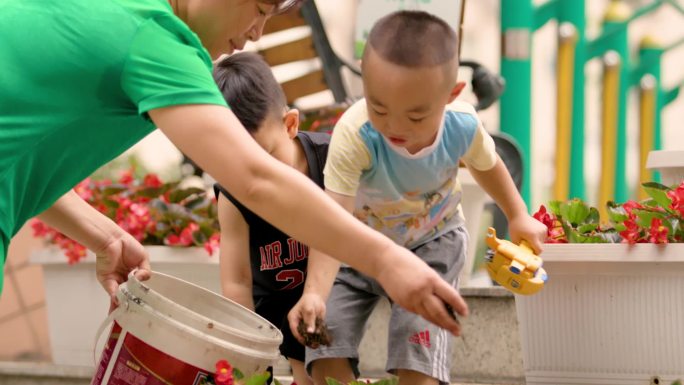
413	39
248	85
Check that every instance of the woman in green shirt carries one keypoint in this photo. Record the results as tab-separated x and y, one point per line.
81	81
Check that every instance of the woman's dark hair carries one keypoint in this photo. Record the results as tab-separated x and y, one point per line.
248	85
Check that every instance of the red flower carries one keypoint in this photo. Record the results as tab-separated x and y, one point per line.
152	180
677	196
185	237
212	244
544	217
554	230
631	205
556	235
40	229
144	215
126	177
224	373
631	234
657	232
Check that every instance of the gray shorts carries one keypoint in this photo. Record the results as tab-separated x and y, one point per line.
414	343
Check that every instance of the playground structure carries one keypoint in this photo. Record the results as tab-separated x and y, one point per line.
519	20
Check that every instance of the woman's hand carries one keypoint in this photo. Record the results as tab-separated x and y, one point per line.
116	259
413	285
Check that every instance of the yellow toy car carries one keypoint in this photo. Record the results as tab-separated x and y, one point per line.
515	267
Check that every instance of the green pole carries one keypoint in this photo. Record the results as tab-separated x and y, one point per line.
517	19
572	11
616	18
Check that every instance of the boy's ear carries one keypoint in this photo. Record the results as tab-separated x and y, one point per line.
458	88
291	121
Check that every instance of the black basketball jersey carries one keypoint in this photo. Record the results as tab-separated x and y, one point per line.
278	261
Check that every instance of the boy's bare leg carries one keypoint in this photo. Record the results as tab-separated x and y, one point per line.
410	377
299	374
337	368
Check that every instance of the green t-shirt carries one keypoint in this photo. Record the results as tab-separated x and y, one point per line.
77	78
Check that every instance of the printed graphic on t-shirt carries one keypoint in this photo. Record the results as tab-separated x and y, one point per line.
272	258
414	216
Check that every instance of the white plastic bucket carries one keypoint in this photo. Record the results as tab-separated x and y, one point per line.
168	331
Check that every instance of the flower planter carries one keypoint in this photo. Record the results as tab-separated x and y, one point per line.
609	314
77	304
670	163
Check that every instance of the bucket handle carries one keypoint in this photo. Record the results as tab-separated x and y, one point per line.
104	325
108	321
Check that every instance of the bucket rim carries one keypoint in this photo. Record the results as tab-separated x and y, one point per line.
128	300
157	296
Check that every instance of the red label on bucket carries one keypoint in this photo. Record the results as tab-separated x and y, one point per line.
138	363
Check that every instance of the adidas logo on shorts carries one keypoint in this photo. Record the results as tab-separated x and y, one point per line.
421	338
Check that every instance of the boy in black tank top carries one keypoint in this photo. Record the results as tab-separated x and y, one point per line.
263	268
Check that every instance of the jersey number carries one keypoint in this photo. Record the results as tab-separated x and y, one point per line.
295	277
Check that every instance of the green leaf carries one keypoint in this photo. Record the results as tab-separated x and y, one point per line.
554	207
276	382
678	382
575	211
587	228
594	216
177	196
579	238
113	189
110	203
332	381
616	213
237	374
199	238
658	193
258	379
197	203
153	192
158	205
644	217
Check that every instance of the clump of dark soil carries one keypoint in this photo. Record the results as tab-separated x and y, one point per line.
321	336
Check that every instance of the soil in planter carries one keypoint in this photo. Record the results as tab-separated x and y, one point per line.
319	337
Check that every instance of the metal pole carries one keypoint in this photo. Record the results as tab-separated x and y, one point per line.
647	117
650	55
567	41
609	123
573	12
517	19
616	17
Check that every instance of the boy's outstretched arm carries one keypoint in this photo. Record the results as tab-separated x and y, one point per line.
321	272
497	182
236	272
213	137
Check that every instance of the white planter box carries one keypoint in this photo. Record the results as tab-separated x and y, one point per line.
77	304
609	314
670	163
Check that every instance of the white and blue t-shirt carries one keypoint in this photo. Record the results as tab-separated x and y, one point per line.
411	198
